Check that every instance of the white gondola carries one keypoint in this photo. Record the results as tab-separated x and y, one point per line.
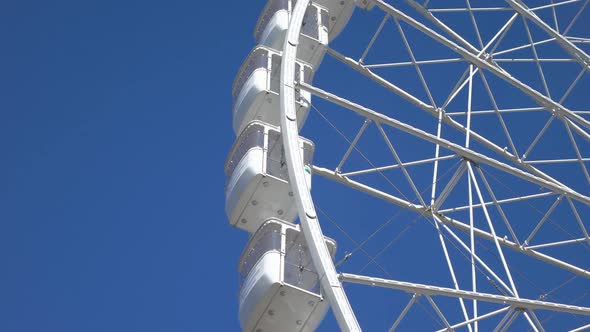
258	187
280	289
256	89
339	12
273	23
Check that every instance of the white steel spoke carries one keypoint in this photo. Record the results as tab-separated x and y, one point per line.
568	46
426	211
438	312
538	137
469	98
510	321
407	308
529	320
545	218
411	63
406	164
386	84
428	15
501	34
500	110
353	144
501	201
488	9
579	220
582	328
554	5
506	318
474	23
374	38
499	115
453	276
461	83
556	161
532	60
399	162
578	154
498	207
480	318
449	187
575	19
536	57
535	320
492	230
479	260
518	48
442	291
472	244
474	9
559	243
571	87
554	16
418	71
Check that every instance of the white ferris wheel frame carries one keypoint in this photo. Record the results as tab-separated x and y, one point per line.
329	278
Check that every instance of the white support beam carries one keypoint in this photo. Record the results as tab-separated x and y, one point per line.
430	290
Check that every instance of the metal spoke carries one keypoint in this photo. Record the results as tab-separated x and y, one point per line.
399	162
545	218
498	202
492	230
353	144
505	319
438	312
478	319
568	46
536	57
442	291
374	38
448	221
578	153
418	71
404	312
406	164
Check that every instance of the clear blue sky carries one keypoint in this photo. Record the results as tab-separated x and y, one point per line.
114	128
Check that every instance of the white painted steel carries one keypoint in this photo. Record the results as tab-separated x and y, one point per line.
339	13
307	215
434	290
273	23
258	187
280	286
256	89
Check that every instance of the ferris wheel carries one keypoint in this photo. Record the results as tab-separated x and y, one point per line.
448	143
